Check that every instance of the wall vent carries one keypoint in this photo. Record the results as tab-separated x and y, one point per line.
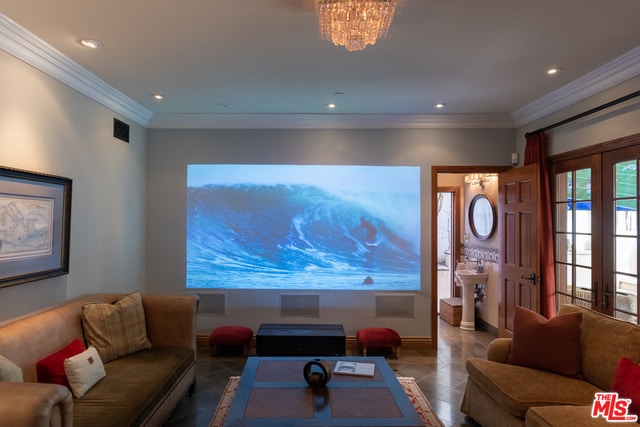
300	305
395	305
213	304
120	130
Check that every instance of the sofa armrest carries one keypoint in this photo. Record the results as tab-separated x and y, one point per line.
498	350
34	404
171	319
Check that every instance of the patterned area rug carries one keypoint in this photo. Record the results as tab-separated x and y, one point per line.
408	384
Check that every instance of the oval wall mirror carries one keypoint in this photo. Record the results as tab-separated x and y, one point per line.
482	217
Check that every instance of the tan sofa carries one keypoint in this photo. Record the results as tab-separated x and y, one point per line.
139	389
499	394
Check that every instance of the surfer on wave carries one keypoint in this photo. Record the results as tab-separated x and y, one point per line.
371	231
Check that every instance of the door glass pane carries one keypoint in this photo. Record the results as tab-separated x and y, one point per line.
563	248
583	184
563	215
626	298
583	279
583	217
564	185
583	249
626	179
563	279
625	254
626	284
626	217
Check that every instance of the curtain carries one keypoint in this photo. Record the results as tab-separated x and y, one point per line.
535	152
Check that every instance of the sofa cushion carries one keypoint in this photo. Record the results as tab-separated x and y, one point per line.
51	368
517	388
550	345
133	386
83	371
626	383
116	329
9	371
604	341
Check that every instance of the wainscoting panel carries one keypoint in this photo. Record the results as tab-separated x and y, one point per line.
300	305
394	305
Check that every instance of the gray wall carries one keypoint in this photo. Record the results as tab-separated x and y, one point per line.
170	151
47	127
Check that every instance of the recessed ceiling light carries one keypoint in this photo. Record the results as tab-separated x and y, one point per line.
224	105
93	44
440	105
554	70
158	96
331	105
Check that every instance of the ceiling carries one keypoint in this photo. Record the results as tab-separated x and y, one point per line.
264	60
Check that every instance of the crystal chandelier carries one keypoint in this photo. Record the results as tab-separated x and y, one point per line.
355	23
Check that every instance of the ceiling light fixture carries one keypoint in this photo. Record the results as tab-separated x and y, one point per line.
158	96
331	105
355	23
554	70
93	44
479	179
440	105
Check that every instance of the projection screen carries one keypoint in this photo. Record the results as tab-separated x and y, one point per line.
309	227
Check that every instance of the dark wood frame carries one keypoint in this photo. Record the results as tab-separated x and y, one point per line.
31	187
472	222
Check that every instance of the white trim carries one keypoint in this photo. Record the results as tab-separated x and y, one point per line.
331	121
17	41
604	77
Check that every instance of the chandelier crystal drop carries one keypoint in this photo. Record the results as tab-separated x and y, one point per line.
355	23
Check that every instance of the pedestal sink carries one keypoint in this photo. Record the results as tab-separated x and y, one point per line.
468	279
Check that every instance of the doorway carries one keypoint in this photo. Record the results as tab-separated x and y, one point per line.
448	179
448	206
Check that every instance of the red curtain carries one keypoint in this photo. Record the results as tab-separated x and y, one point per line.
535	152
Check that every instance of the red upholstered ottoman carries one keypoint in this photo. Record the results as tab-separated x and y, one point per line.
239	336
378	337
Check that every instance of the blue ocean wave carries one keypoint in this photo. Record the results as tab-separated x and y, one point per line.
298	236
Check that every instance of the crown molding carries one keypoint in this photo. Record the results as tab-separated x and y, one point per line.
604	77
20	43
331	121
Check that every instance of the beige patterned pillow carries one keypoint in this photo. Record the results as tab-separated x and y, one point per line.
116	329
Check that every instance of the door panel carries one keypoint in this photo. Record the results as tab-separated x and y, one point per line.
519	237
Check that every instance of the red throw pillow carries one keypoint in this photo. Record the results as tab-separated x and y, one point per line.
549	345
51	368
626	382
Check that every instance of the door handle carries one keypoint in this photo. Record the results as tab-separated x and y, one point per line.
531	278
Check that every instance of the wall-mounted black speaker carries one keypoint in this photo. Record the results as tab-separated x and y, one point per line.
120	130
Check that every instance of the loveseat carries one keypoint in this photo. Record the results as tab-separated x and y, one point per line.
502	394
138	389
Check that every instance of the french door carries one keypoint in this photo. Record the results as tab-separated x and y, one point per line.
596	231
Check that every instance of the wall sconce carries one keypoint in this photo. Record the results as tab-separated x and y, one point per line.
478	179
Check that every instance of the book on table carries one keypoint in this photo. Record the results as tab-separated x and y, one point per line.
354	368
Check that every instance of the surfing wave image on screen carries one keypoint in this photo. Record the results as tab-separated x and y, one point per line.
303	227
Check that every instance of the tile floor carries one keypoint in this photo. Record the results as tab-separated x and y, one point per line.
440	374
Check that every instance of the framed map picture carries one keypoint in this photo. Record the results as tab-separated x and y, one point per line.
35	217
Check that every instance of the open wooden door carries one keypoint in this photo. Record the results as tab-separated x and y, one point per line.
518	204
